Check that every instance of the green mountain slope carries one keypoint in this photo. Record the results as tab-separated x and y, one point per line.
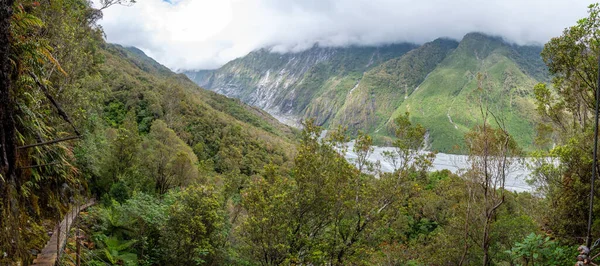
365	88
447	102
369	104
223	132
228	106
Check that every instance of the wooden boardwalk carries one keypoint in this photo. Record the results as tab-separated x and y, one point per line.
50	254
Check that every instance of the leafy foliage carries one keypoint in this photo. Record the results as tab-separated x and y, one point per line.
540	250
68	81
567	110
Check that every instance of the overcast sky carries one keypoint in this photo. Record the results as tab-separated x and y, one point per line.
205	34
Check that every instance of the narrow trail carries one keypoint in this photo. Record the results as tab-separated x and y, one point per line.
49	255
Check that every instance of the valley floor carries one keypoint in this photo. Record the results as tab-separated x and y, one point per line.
516	179
455	163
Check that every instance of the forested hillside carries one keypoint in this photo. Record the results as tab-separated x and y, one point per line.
186	176
133	125
435	82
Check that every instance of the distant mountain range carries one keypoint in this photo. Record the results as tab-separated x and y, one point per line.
365	88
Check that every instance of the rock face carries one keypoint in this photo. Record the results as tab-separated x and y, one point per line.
365	88
287	84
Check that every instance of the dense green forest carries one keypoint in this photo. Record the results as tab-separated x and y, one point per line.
184	176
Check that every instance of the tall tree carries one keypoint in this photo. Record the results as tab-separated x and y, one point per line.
167	160
492	155
567	109
326	212
407	150
8	144
193	233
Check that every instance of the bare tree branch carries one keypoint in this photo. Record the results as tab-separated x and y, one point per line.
60	111
108	3
48	142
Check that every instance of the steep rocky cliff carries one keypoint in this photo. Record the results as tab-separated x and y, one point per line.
287	84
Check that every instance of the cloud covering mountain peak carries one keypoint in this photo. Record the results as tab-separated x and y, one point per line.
201	34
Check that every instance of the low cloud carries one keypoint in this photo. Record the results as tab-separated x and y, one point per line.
205	34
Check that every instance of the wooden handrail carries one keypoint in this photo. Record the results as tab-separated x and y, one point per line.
50	254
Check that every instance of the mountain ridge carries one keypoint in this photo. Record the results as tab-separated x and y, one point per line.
360	89
446	102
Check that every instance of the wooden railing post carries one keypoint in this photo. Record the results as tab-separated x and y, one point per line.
58	237
78	248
